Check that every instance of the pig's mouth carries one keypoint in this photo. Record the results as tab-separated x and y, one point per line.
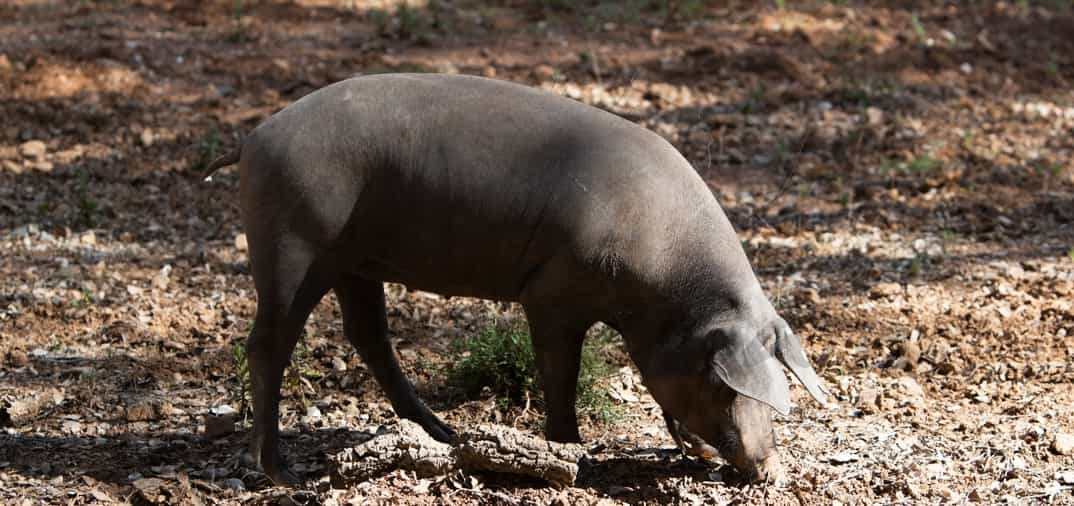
691	444
769	470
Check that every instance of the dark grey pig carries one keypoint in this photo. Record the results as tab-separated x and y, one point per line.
475	187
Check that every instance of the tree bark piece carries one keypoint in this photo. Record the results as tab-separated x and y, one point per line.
505	450
405	446
492	448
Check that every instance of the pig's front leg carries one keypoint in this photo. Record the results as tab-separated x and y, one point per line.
557	345
366	326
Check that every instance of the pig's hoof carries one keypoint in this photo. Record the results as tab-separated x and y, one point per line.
432	424
771	472
439	430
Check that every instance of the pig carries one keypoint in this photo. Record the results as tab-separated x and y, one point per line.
467	186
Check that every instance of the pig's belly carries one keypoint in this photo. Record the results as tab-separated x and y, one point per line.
486	268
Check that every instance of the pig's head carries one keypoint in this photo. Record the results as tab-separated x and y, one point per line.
720	388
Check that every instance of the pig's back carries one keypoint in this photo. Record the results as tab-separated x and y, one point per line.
467	186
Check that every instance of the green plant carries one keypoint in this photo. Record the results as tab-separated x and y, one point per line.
87	206
919	29
500	357
242	374
923	164
238	9
208	149
781	4
380	18
1071	253
296	378
592	400
410	21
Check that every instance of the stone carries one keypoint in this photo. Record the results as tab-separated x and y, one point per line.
911	387
1063	444
33	149
544	72
12	167
217	425
881	290
869	400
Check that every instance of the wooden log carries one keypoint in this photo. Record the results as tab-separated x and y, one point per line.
403	446
486	448
502	449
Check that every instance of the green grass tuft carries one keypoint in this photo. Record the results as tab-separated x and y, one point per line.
500	358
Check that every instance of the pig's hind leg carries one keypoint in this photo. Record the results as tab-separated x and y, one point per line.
289	286
366	326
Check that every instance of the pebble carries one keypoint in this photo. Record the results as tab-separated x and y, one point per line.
12	167
235	484
885	290
911	386
1063	444
544	72
868	400
240	242
220	425
41	166
33	149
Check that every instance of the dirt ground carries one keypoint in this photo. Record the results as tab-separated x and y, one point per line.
901	174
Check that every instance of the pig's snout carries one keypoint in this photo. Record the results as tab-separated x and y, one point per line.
769	470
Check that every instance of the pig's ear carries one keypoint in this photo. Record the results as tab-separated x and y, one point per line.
742	362
788	349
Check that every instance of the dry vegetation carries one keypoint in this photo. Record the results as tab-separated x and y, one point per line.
900	172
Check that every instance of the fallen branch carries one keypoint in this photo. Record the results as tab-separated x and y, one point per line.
492	448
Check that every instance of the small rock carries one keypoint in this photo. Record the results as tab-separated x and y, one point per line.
160	281
868	400
71	427
235	484
147	137
17	358
1065	477
148	486
33	149
911	387
12	167
1063	444
240	242
874	115
217	425
339	364
544	72
885	290
843	458
88	238
41	166
5	63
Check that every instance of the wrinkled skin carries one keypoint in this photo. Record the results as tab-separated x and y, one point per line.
473	187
